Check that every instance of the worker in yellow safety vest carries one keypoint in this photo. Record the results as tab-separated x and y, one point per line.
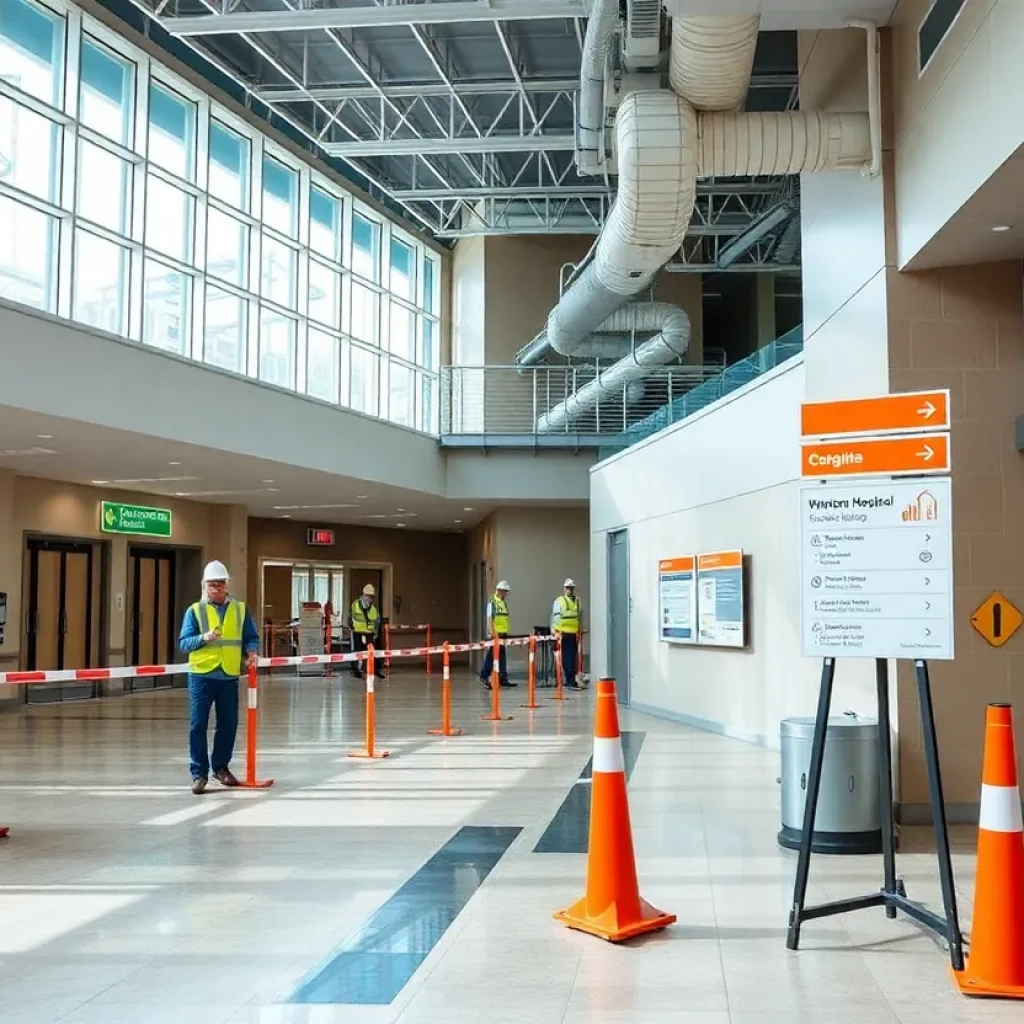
219	636
565	623
364	619
497	625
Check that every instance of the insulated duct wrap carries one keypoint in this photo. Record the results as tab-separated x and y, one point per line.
711	60
734	145
601	25
670	343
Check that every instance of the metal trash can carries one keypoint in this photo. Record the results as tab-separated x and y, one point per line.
848	819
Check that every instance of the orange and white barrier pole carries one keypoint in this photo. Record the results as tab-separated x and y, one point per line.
446	698
559	691
251	726
531	677
428	648
370	751
495	715
387	647
995	964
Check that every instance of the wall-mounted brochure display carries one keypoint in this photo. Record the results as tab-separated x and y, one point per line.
721	599
677	599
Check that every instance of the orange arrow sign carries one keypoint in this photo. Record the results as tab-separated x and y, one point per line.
893	414
876	456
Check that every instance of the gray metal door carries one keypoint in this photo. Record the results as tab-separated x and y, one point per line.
618	612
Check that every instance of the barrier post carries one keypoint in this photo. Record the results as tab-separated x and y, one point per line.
559	692
446	698
251	726
387	647
495	715
531	676
428	648
369	752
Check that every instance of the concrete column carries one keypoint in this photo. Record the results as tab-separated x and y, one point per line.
231	546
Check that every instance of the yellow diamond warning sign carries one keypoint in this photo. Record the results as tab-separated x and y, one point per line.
997	620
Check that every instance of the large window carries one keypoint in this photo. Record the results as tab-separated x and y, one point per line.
132	202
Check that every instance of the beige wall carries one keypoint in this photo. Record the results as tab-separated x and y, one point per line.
429	571
32	506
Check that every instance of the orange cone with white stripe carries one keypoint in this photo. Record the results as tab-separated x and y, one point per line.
995	966
612	908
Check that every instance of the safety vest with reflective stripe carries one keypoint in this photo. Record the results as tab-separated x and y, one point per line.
364	620
569	622
225	652
499	615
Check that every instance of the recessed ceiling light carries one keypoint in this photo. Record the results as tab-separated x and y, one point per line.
284	517
1000	228
173	463
399	524
268	481
99	483
468	508
399	509
45	437
457	520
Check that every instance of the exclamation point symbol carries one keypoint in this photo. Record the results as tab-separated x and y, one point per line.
997	620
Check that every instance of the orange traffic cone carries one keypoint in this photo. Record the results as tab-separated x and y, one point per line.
995	966
612	908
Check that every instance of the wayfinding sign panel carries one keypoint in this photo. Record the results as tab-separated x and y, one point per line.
877	569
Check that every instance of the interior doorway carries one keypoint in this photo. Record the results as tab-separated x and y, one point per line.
63	624
152	602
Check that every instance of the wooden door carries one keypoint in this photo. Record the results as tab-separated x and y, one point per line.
144	640
151	579
76	608
45	613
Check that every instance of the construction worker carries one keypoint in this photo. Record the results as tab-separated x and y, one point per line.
217	634
565	623
364	618
497	625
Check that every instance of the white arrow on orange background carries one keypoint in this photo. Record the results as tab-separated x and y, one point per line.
927	410
927	454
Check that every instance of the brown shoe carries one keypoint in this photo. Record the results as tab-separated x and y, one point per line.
199	785
225	778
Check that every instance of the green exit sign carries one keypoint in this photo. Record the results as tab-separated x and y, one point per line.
116	517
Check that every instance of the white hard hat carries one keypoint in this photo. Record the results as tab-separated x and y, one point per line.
215	571
503	585
569	582
368	590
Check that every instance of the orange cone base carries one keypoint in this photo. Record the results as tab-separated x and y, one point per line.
441	732
608	926
495	718
375	756
265	784
979	987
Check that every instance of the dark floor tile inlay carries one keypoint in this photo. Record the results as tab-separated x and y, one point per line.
374	965
569	830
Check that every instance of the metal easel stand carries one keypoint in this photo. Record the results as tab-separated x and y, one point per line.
893	895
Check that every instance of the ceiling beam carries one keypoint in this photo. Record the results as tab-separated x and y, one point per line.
434	13
430	194
468	144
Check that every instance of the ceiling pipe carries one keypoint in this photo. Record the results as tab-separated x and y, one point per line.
711	60
601	26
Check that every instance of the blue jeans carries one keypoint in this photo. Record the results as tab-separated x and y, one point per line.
488	666
570	649
203	694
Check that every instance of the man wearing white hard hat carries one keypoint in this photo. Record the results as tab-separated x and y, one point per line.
565	623
364	619
497	624
219	636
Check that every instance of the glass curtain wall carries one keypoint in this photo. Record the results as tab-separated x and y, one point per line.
132	203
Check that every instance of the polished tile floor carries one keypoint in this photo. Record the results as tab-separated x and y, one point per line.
126	900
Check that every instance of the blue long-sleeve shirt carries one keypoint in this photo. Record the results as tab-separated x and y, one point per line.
191	637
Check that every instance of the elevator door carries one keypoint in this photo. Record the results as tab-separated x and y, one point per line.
618	613
63	611
152	632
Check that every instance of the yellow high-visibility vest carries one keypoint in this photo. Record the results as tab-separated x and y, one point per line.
364	620
224	653
499	615
569	622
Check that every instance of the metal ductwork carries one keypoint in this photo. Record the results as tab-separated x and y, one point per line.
601	26
711	60
669	344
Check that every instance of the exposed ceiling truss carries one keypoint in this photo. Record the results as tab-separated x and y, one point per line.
461	111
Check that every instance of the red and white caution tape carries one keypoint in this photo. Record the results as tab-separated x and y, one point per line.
92	675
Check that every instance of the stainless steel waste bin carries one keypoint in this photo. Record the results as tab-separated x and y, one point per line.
848	818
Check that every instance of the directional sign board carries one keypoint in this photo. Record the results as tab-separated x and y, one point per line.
876	456
908	412
876	569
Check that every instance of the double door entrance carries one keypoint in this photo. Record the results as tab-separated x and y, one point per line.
152	626
62	623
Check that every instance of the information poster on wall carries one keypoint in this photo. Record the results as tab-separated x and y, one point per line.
677	599
720	599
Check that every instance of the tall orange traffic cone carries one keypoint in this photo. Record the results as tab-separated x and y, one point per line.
995	966
612	908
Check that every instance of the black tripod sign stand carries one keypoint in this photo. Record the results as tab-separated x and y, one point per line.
893	894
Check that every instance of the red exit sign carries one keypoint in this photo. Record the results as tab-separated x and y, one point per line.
320	538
